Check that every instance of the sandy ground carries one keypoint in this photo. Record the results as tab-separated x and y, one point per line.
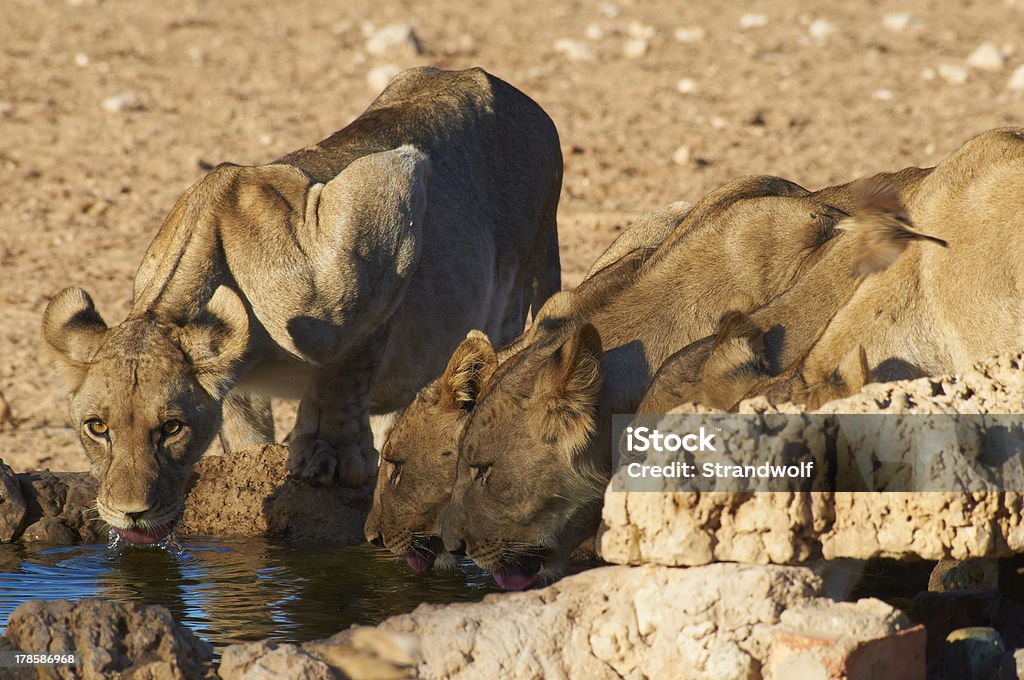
818	93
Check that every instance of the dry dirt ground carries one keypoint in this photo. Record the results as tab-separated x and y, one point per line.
109	110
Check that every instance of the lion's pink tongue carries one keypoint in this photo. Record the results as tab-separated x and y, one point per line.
515	578
420	563
145	536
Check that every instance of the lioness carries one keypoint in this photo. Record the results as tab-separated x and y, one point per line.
934	310
535	454
418	459
344	273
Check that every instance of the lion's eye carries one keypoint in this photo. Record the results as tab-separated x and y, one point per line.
393	470
96	428
481	472
172	427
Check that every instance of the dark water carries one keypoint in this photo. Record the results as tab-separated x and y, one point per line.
233	591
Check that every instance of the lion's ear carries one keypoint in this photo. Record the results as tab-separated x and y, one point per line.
72	333
571	384
216	340
470	367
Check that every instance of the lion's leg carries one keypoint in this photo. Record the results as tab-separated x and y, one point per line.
332	435
248	421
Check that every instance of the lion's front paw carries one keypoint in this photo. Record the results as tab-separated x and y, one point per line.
356	466
312	459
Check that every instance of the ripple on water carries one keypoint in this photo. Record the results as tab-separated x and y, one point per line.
232	591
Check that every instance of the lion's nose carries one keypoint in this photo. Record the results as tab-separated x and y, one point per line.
135	516
377	540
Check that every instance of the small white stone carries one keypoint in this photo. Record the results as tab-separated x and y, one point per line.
690	34
882	95
987	57
821	29
195	53
640	31
929	149
682	155
1016	82
81	59
635	48
897	22
928	73
593	32
6	109
394	39
687	85
954	75
573	50
379	76
753	21
609	10
266	139
718	122
126	101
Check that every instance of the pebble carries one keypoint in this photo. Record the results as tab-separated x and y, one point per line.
573	50
718	122
882	95
753	21
266	139
640	31
690	34
898	22
987	57
394	39
195	53
954	75
379	76
1016	83
687	85
125	101
682	155
593	32
635	48
6	109
821	29
82	59
609	10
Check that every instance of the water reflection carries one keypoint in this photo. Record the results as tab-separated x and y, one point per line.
231	591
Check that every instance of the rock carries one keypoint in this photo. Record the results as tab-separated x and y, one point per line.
640	31
970	574
111	638
682	155
394	40
973	654
898	22
821	30
679	528
748	21
1012	665
883	95
49	530
379	76
12	504
609	10
987	57
269	660
718	621
573	50
690	34
954	75
687	86
6	109
635	48
359	652
593	32
942	613
265	501
1016	82
840	640
120	103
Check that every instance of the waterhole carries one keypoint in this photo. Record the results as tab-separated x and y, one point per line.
230	591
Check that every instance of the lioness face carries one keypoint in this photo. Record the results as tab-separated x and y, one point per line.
144	421
526	493
417	470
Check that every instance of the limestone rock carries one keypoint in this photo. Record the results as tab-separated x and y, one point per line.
112	637
12	504
268	660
